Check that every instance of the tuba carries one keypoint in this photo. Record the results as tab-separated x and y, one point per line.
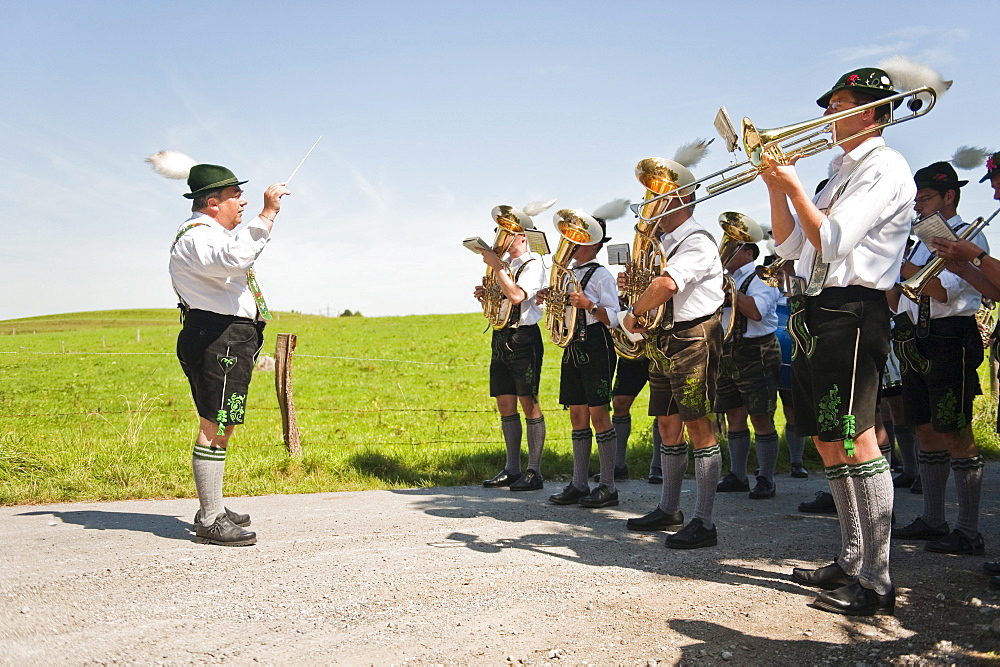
737	229
496	306
647	258
914	286
576	229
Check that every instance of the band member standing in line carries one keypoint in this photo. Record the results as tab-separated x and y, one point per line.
630	377
854	232
748	376
588	366
684	364
973	264
224	314
516	360
939	348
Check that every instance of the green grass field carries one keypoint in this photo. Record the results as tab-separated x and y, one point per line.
95	407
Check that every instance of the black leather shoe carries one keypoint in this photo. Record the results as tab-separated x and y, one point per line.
957	543
917	486
829	577
503	478
602	496
991	567
238	519
799	471
531	480
731	483
822	504
763	489
693	536
903	480
224	533
621	474
918	529
856	600
655	476
656	520
568	496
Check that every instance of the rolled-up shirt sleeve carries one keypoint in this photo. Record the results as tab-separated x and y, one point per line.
692	262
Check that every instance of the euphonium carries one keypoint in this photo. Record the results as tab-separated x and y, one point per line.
738	229
914	286
496	306
986	320
647	258
575	229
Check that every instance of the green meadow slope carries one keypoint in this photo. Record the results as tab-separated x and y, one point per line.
96	407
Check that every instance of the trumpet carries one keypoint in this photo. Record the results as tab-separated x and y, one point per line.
737	229
790	142
915	285
575	229
497	307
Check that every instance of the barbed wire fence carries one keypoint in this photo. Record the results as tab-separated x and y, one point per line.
284	349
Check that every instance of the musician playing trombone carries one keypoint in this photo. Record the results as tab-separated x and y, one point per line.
684	364
939	348
972	262
849	242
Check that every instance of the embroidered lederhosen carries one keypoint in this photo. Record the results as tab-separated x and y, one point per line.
805	342
653	352
588	362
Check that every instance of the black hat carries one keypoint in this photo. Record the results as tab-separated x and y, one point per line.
992	167
604	229
940	176
207	177
870	80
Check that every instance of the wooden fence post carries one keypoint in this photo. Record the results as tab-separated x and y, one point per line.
284	348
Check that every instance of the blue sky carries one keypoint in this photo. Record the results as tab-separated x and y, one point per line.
432	113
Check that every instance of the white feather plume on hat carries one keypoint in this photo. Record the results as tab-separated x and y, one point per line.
907	74
536	207
172	164
970	157
613	210
691	154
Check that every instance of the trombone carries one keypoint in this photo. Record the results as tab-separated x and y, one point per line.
791	142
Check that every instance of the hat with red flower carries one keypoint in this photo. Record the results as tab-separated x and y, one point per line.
992	167
870	80
940	176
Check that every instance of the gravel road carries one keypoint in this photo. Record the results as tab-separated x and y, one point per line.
469	575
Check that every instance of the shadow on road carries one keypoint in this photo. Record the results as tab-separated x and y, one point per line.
158	524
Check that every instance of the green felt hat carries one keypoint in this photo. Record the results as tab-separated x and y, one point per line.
207	177
871	80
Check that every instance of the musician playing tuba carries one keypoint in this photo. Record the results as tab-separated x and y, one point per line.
939	347
516	361
684	359
849	240
588	363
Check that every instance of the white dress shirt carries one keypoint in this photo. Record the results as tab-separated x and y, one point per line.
696	269
863	237
209	264
766	299
602	289
963	298
531	280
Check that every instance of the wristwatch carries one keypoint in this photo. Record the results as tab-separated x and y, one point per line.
593	311
978	259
